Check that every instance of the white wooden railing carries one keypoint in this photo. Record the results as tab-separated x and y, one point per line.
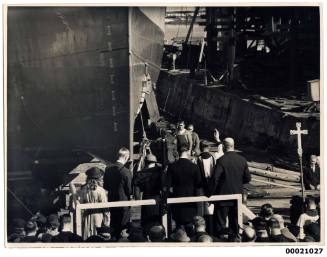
178	200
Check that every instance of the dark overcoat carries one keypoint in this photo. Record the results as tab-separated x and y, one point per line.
185	179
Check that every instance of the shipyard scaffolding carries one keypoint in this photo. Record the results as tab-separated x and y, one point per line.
265	57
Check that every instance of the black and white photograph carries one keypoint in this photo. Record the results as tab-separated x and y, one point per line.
163	125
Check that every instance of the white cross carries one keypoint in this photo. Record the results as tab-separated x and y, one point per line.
298	132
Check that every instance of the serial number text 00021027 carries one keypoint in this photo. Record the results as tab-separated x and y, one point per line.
304	250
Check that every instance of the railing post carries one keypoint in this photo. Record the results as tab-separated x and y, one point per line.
165	223
78	220
239	212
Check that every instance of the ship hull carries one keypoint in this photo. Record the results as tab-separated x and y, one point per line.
75	77
75	83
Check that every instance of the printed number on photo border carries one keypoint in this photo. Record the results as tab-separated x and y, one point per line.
304	250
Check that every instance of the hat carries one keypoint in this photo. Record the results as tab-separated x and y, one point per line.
18	223
39	219
151	158
157	233
180	236
94	173
137	236
46	238
65	218
53	220
103	230
134	226
30	225
204	143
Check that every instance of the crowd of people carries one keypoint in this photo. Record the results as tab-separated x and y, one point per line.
194	171
266	227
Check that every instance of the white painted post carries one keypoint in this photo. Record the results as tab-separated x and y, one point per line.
78	220
165	223
239	213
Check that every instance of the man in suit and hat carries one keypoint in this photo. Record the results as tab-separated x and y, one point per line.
184	178
92	192
149	182
231	172
117	181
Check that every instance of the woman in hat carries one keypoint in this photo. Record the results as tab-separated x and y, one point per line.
92	192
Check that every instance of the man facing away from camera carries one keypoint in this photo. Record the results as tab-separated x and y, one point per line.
231	172
184	179
117	181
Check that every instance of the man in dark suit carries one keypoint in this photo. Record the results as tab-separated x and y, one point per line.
149	182
117	181
311	175
185	179
230	173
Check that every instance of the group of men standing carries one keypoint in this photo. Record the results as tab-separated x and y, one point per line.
221	172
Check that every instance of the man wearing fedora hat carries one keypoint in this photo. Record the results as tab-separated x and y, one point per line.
149	182
92	192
